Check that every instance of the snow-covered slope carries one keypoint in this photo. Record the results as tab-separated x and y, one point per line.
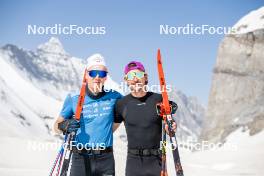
242	154
53	72
245	157
24	108
251	22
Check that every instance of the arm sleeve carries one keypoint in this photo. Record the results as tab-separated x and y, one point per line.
66	111
117	115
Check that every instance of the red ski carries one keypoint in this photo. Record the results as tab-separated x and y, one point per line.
81	97
165	113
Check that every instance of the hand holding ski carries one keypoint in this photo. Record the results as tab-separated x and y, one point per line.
63	159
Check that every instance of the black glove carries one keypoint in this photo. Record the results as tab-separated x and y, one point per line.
173	107
69	126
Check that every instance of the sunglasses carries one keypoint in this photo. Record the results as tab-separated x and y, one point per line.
138	74
100	73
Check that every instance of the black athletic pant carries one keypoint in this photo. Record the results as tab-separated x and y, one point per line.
137	165
93	165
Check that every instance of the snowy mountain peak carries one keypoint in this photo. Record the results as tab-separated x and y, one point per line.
52	46
251	22
9	47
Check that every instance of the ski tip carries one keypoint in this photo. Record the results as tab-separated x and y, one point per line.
158	54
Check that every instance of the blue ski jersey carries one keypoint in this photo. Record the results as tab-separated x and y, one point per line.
96	118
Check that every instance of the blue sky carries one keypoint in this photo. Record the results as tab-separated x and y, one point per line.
132	32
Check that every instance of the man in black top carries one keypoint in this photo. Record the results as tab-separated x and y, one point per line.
142	123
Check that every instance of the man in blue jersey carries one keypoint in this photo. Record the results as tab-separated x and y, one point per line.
92	147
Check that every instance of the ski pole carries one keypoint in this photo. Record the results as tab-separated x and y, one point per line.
67	156
58	157
55	162
163	152
62	154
